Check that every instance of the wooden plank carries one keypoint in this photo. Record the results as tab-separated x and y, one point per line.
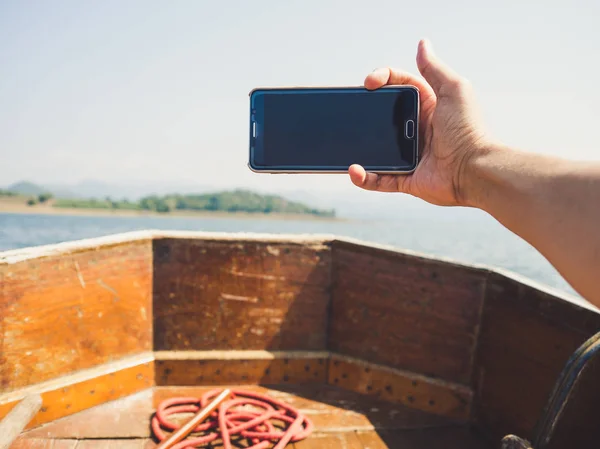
70	312
347	440
113	444
43	443
128	417
373	440
286	368
332	410
405	312
527	336
438	438
578	423
67	400
415	391
17	419
240	295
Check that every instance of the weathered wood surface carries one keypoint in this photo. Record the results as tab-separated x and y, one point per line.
526	338
192	368
345	440
440	438
576	423
453	438
64	400
333	410
43	443
240	295
405	312
64	313
17	419
31	443
415	391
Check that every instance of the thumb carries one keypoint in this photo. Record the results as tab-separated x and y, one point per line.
433	69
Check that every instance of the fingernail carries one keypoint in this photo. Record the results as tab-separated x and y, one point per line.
427	45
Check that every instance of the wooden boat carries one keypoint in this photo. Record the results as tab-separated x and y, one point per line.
381	348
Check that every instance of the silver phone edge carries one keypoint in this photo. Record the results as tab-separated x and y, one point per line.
341	171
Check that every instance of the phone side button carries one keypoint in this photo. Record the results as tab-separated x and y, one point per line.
409	129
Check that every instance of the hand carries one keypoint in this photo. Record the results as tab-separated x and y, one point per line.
450	133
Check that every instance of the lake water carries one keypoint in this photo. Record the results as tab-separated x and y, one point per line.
464	235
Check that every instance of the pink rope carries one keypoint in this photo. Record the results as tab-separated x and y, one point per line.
248	415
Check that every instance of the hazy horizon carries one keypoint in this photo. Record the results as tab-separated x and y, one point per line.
143	92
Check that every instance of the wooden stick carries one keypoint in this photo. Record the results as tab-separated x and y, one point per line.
15	421
187	428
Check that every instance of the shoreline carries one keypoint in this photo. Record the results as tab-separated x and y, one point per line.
10	207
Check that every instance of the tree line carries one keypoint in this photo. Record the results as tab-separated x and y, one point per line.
232	201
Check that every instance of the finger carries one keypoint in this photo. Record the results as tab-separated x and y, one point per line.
373	181
432	68
382	76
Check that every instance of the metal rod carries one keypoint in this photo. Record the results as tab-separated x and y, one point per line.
188	427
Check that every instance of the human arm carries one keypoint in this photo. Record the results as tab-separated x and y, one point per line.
552	203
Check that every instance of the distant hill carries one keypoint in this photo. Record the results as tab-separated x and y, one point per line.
26	188
229	201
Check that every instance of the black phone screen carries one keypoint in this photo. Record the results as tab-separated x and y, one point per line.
331	129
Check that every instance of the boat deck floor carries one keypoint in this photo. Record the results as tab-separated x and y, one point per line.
342	419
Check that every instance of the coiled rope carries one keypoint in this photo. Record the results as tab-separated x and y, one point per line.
264	421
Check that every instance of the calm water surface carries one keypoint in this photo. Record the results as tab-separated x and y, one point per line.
464	235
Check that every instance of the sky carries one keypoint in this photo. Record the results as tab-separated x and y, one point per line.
157	92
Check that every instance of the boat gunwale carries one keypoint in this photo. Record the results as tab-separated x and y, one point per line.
14	256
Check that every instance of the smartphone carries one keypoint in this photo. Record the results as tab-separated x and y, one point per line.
325	130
